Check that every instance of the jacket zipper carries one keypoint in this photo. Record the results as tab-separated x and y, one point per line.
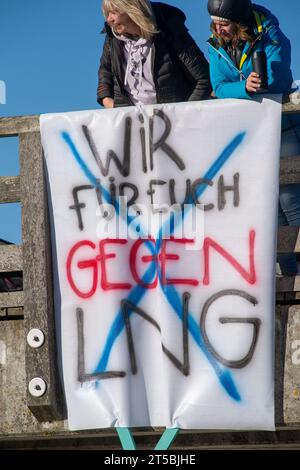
118	76
242	76
153	55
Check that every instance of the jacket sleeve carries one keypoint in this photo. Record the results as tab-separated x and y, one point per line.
105	76
222	86
278	51
193	61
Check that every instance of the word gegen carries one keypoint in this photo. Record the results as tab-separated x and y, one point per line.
160	255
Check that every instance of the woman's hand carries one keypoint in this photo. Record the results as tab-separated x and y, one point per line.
108	102
253	83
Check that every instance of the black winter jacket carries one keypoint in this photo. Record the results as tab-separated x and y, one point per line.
180	70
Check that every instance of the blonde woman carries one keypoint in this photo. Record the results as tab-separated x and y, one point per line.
149	57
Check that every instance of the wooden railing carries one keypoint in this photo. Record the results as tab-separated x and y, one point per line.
34	259
35	303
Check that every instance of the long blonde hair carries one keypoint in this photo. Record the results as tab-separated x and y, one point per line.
139	11
241	33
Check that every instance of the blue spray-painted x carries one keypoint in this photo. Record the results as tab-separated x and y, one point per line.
138	292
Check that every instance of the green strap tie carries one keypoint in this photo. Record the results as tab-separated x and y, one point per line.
164	442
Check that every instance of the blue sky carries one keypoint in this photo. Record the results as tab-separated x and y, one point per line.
49	59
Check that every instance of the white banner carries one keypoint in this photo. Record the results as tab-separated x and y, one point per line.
165	229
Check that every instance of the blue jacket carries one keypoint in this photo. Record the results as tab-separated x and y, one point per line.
228	81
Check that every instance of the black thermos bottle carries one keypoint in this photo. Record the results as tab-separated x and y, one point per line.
259	63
